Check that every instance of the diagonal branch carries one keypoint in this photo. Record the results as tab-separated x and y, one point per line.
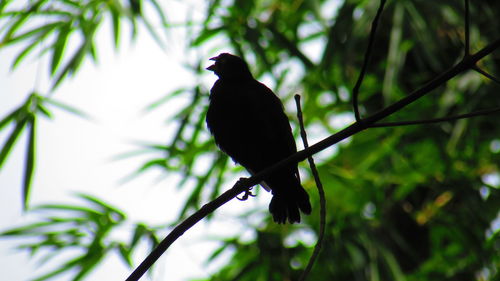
437	120
358	126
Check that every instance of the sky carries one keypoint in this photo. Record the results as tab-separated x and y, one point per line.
76	155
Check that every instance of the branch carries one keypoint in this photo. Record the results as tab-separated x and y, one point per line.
179	230
371	40
437	120
486	74
358	126
321	192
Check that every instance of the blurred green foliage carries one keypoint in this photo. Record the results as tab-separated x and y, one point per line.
404	203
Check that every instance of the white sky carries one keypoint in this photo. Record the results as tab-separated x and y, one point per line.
73	154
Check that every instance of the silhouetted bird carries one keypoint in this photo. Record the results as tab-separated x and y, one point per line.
248	123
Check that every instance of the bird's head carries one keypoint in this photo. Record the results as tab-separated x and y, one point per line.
229	66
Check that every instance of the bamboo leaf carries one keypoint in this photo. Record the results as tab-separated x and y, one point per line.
9	118
43	30
164	99
59	46
125	254
4	4
72	65
30	162
115	18
206	34
153	33
104	206
44	110
67	108
30	229
23	54
4	153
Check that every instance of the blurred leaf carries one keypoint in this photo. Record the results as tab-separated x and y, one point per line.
59	46
11	140
10	117
29	162
65	107
41	31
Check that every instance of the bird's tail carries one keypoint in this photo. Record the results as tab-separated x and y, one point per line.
285	204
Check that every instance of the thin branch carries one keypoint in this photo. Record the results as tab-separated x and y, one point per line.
321	192
371	40
467	29
486	74
437	120
179	230
242	185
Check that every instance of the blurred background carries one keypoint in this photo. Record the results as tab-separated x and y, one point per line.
104	146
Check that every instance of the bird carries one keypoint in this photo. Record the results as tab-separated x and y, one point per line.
248	123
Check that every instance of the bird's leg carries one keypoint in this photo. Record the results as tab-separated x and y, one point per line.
248	192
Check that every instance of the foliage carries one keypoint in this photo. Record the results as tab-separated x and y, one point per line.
60	25
86	230
404	203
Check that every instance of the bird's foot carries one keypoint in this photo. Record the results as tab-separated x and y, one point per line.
248	192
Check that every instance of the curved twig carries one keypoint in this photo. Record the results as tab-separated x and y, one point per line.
321	193
371	40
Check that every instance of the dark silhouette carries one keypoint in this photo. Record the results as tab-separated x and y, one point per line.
248	123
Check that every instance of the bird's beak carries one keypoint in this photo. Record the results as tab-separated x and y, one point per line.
212	67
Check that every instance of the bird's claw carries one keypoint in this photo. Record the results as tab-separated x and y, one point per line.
248	193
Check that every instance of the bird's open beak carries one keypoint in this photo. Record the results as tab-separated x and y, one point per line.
212	67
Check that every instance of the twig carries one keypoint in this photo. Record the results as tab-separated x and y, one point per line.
466	63
371	40
321	192
467	29
437	120
486	74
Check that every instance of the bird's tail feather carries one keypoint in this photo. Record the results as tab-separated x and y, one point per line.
286	205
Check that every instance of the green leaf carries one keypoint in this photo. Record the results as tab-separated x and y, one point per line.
165	99
23	54
66	107
125	254
4	4
72	65
59	46
14	26
161	14
43	110
84	211
115	19
67	266
9	118
30	229
153	33
106	208
206	34
30	162
4	153
41	31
